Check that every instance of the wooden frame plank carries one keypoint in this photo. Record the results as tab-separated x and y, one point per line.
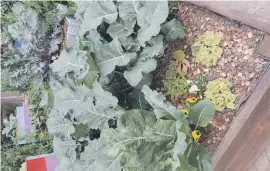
264	48
245	18
249	132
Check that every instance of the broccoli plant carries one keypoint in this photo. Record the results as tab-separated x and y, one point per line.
111	60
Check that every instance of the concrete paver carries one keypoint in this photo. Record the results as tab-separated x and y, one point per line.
262	162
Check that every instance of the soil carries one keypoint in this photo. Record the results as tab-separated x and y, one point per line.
239	62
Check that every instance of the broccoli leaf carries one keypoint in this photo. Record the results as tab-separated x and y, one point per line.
135	74
71	61
121	28
173	30
162	108
128	10
112	55
202	113
96	12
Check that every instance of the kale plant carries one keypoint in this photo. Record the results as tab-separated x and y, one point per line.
30	43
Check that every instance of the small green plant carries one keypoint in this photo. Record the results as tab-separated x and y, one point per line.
219	92
207	48
175	83
39	113
14	155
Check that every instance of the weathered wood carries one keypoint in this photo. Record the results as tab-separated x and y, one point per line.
249	132
264	48
248	19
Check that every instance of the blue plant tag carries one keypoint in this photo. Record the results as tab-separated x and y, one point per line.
18	44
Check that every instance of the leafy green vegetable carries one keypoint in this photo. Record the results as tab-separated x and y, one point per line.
202	113
161	107
135	74
173	30
121	28
112	55
71	61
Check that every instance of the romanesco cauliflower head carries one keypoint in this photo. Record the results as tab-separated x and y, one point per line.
219	92
207	48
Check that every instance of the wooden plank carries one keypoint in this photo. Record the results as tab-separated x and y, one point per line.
264	48
240	16
248	133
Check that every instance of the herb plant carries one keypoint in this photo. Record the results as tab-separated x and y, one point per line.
219	92
207	48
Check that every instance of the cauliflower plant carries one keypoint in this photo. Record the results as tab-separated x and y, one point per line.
175	83
219	92
207	48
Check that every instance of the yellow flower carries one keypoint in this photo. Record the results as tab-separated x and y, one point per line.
185	111
196	135
192	100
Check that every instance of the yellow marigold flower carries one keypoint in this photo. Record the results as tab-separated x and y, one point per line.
192	100
196	135
185	111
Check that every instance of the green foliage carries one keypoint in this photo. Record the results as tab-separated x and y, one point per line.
202	113
219	92
10	127
33	25
38	112
207	48
130	34
12	155
175	83
124	39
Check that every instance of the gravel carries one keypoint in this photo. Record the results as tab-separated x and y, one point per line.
239	62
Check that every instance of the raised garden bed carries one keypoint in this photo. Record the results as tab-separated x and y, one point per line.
239	63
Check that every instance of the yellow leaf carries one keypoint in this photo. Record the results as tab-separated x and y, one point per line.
179	55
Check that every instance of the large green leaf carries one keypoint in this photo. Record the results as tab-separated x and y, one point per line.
162	108
137	99
202	113
128	10
152	12
70	99
61	127
71	61
94	117
112	55
92	41
65	149
173	30
96	12
146	80
150	16
180	147
92	73
185	166
130	43
135	74
204	160
121	28
80	130
141	136
145	33
103	99
95	159
155	48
